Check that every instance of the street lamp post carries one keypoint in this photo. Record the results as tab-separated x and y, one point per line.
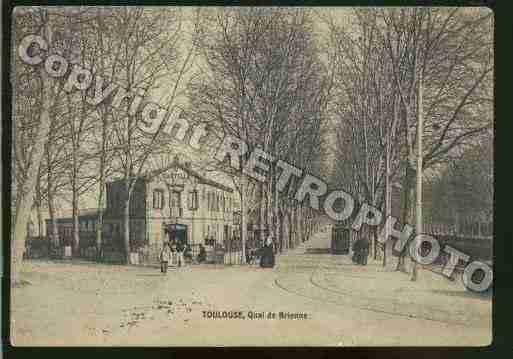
418	196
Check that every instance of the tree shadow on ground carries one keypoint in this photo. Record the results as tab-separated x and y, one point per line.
486	296
313	250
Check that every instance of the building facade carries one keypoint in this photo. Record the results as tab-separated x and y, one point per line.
174	203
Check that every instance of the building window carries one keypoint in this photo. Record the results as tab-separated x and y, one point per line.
176	199
193	200
158	199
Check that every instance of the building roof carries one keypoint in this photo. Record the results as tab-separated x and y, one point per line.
187	168
67	214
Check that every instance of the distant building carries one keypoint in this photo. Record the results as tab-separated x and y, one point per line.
171	203
87	219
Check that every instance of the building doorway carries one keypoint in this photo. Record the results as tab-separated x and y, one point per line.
176	233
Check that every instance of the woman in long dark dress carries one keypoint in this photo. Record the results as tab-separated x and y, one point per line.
267	257
356	251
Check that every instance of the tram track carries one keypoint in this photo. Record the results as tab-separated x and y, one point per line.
343	298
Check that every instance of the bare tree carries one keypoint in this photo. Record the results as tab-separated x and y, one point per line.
365	109
147	56
452	51
263	84
43	22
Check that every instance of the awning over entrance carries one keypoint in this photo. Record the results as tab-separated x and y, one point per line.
175	227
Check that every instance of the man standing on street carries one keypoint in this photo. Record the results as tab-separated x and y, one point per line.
165	255
180	248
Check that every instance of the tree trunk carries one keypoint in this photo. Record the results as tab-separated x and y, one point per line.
38	203
53	221
278	223
300	220
388	207
261	212
76	235
126	229
27	193
407	196
243	222
280	230
99	231
54	234
375	243
101	193
269	208
290	229
103	114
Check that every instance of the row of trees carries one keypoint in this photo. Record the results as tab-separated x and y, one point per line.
264	76
391	67
261	80
64	144
463	191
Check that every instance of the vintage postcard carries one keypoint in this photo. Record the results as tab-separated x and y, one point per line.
252	176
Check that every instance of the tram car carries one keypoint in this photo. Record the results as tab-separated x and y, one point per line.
340	240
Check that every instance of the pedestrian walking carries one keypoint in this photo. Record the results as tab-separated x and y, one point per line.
202	256
180	248
172	245
165	256
187	254
249	257
356	251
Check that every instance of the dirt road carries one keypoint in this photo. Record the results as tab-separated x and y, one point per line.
323	300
